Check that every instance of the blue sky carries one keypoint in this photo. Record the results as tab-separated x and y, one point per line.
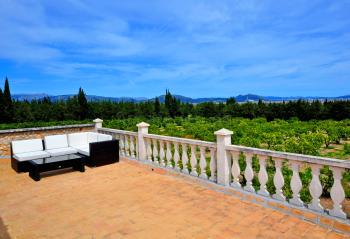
193	48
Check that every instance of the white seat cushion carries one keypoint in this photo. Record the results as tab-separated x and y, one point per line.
62	151
24	146
31	155
104	137
92	137
77	139
56	141
84	150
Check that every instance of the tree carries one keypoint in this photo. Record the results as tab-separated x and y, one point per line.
157	107
231	101
167	100
1	106
7	103
172	104
83	108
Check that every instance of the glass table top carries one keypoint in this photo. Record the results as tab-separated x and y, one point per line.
57	158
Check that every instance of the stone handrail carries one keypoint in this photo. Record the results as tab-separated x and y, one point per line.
182	140
291	156
117	131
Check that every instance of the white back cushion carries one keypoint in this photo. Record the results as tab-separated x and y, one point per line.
77	139
92	137
56	141
24	146
104	137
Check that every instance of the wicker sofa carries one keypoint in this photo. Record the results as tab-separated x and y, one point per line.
99	148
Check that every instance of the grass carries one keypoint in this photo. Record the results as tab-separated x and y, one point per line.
339	151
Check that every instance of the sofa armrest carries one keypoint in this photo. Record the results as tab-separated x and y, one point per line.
104	152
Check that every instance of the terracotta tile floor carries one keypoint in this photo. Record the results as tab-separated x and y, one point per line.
125	200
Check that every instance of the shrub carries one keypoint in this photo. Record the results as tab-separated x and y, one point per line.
347	148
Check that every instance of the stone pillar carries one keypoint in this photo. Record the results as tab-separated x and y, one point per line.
223	138
98	124
142	130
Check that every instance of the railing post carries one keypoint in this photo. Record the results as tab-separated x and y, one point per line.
98	124
142	130
223	138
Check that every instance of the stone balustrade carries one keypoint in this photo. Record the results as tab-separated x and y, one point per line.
295	162
127	141
188	156
220	163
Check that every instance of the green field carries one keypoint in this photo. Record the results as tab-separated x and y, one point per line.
319	137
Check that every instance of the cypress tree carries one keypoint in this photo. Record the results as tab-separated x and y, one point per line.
83	104
172	105
167	100
2	106
8	105
157	107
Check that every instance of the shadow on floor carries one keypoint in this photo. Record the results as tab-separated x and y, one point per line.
56	172
3	231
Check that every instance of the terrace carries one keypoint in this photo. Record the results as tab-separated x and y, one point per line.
155	193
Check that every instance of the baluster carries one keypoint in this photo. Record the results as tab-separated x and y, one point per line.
278	180
263	176
132	146
296	185
337	194
203	163
315	188
249	173
193	161
117	137
136	149
235	170
155	151
212	165
168	155
176	156
121	145
126	145
149	149
161	153
184	159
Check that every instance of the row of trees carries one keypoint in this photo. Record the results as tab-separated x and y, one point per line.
78	108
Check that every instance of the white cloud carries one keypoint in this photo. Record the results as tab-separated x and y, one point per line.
230	42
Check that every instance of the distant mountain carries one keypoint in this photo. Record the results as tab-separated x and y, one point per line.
95	98
249	97
345	97
29	97
184	99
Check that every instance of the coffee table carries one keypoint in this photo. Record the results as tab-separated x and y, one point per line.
37	166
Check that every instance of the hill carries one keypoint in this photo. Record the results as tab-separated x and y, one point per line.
184	99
